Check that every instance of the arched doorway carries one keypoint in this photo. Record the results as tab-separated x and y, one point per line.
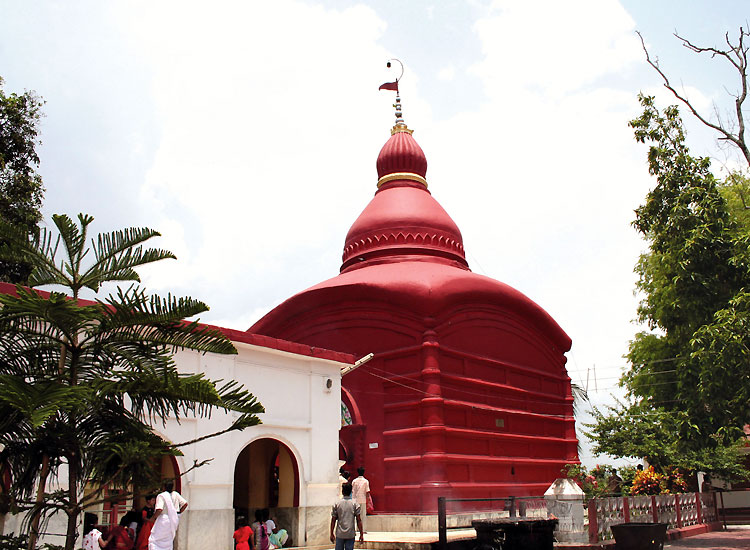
111	511
351	434
265	476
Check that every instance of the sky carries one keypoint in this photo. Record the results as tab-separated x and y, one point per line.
247	134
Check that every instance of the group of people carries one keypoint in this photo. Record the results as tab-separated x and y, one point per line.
153	528
263	534
350	511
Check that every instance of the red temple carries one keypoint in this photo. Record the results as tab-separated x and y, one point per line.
467	395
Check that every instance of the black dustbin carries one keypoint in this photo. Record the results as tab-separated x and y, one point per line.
515	533
639	536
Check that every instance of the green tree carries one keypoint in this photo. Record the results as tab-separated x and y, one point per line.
697	265
663	437
697	261
687	379
81	381
736	191
20	185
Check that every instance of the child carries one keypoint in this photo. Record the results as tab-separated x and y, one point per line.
243	536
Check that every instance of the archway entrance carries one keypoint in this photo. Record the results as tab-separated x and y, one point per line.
351	434
111	511
265	476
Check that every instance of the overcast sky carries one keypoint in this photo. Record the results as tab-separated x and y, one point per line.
247	133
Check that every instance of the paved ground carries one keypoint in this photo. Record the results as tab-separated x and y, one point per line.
419	537
736	536
403	540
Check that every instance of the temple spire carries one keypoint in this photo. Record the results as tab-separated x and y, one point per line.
400	125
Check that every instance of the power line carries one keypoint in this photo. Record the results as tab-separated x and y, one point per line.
466	392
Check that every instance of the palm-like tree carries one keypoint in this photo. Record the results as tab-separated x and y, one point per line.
82	381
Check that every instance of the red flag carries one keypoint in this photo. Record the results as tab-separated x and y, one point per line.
389	86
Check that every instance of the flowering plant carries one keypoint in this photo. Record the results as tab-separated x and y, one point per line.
648	482
600	481
675	480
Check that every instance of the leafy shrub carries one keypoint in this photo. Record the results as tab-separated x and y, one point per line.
602	480
675	480
627	475
648	482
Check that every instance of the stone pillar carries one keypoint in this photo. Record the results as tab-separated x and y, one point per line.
565	501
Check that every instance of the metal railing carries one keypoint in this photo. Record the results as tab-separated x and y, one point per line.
515	506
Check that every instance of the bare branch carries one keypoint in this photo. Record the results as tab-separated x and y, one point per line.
197	439
737	56
88	502
714	51
101	488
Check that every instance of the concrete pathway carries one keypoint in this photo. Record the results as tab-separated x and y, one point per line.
736	536
400	540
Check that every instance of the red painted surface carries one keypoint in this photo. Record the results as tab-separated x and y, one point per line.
401	153
236	336
467	395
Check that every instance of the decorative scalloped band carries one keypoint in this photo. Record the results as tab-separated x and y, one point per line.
411	176
436	240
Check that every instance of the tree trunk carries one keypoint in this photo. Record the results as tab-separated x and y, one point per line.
36	514
73	510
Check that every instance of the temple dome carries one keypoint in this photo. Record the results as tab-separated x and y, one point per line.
465	390
401	154
403	220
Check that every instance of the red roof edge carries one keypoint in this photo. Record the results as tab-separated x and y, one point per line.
10	288
284	345
239	336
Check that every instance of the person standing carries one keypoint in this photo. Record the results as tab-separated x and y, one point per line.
343	478
147	522
169	505
343	517
243	536
92	537
260	531
361	493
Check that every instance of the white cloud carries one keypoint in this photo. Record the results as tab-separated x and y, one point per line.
447	73
266	154
553	47
256	108
247	134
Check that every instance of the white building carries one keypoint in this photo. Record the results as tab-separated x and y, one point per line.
289	463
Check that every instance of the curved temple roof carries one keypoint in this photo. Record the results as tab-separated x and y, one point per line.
413	252
403	219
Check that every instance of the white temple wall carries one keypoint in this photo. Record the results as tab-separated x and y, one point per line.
301	412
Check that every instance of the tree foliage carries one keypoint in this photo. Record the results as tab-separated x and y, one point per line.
81	381
693	278
688	380
20	185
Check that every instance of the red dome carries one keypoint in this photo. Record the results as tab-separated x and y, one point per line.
466	393
401	154
403	220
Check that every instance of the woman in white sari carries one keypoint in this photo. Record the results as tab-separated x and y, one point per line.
169	506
